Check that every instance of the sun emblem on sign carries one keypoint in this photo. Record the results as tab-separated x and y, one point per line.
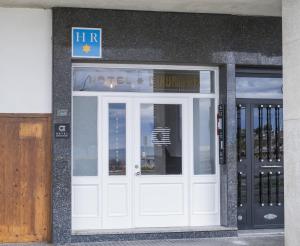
86	48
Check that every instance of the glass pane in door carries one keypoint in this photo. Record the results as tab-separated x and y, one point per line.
117	139
204	136
85	154
161	139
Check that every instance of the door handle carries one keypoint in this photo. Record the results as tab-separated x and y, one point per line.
137	173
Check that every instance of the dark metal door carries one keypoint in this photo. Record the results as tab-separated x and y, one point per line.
260	163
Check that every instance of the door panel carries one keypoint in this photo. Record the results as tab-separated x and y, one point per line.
161	163
267	165
260	170
25	178
116	145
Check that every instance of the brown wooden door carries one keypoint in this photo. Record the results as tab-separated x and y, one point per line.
25	178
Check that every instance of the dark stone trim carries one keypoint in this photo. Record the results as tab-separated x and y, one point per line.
228	179
153	236
61	148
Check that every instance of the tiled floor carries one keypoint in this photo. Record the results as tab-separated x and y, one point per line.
245	239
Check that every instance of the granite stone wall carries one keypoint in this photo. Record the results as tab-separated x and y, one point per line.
158	38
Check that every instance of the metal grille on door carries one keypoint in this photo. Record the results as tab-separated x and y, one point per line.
260	164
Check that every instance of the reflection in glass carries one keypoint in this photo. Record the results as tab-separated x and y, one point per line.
241	132
161	142
273	149
85	136
117	139
254	87
280	116
204	135
264	145
268	132
260	133
257	130
142	80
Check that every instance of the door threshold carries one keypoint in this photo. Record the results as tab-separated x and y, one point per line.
261	232
153	229
153	233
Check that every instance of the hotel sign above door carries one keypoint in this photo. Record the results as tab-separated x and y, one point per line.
86	42
142	80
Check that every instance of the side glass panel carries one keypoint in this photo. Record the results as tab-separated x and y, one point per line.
204	136
117	138
142	80
85	155
161	139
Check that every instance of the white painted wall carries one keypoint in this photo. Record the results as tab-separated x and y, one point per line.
291	96
25	60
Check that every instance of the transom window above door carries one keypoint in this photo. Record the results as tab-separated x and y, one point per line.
258	86
143	80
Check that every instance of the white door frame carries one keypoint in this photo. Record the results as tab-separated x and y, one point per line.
85	220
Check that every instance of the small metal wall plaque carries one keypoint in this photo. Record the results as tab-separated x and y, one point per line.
62	130
62	112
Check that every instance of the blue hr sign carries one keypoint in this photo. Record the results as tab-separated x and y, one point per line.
86	42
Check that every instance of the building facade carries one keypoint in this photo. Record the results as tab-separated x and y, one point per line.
175	131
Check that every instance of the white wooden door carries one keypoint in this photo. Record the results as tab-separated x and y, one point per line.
145	166
160	162
117	141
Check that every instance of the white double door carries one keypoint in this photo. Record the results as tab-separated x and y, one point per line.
145	171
